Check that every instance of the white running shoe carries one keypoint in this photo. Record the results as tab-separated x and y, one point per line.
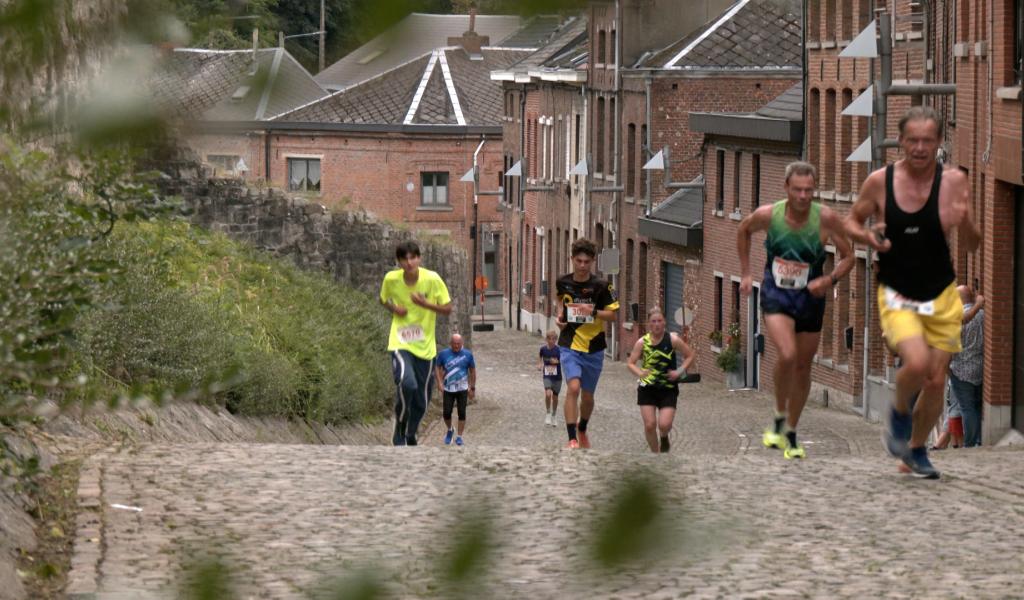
554	420
547	419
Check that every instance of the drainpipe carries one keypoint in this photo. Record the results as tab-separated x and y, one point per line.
266	156
522	206
987	154
803	76
647	145
616	156
476	215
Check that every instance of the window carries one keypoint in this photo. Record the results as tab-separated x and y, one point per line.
830	20
720	191
847	31
642	281
814	21
846	146
863	15
599	151
1018	41
736	181
718	302
629	272
814	127
611	50
830	148
434	188
304	174
644	155
631	160
223	163
613	122
755	181
576	140
602	47
735	317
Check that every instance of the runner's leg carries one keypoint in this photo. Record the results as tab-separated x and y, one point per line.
929	405
665	418
649	414
782	332
806	347
572	393
424	378
461	401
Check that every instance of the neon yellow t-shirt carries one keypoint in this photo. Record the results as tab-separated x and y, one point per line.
415	331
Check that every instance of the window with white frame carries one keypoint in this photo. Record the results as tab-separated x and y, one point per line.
304	174
223	163
434	186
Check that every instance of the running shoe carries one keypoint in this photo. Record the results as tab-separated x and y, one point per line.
547	419
896	435
573	444
770	439
917	460
584	440
665	446
458	440
448	436
792	452
398	437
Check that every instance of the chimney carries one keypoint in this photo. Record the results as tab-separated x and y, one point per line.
471	41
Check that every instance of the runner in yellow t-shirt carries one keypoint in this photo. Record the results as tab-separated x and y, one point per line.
415	296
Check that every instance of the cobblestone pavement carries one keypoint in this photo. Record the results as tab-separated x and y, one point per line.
739	520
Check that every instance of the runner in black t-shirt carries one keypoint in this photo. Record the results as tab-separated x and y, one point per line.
587	304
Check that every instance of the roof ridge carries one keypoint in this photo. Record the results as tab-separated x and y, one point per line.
728	15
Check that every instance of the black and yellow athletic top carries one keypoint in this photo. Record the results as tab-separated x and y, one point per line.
658	359
584	334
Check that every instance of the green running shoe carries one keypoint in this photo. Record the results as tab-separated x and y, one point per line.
770	439
792	452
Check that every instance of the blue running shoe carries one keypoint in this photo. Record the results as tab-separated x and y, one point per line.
917	460
398	437
458	441
896	436
448	437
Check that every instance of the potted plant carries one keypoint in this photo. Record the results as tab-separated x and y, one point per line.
730	359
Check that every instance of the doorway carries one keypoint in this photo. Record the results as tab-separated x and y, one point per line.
1017	411
753	375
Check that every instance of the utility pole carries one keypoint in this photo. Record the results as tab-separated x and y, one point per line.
323	34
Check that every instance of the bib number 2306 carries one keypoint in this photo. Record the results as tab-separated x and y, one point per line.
790	275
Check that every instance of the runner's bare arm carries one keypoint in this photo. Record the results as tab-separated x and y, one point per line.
837	232
759	220
439	377
968	234
683	348
394	308
472	382
872	192
634	355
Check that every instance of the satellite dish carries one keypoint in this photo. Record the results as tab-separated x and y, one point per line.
683	316
678	316
409	187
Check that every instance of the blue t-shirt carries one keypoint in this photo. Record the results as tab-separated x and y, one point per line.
456	366
552	367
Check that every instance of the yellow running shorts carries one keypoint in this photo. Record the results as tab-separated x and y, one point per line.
937	321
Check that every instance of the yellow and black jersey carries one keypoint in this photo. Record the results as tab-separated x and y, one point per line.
584	333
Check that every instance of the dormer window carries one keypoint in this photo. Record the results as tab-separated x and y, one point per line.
240	93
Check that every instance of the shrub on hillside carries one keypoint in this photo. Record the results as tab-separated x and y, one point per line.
207	307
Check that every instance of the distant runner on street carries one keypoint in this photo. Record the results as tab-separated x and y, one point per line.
657	392
550	366
793	291
917	205
456	376
587	305
415	296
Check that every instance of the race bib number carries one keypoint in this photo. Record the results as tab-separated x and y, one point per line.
790	275
576	314
410	334
897	301
550	370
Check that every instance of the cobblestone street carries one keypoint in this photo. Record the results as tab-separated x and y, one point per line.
740	520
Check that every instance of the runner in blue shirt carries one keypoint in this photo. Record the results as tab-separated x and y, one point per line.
456	376
550	366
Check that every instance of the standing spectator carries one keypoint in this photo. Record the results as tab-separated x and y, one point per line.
965	370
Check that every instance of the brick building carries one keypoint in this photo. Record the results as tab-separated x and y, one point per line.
746	157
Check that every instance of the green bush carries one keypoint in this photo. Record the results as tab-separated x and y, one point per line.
207	309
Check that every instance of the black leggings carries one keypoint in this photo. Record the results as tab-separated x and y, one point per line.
452	399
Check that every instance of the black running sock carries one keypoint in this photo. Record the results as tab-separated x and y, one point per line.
583	425
791	436
571	428
664	443
779	421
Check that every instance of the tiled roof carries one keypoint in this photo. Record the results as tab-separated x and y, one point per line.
227	85
684	207
788	105
534	34
395	97
750	35
411	38
560	50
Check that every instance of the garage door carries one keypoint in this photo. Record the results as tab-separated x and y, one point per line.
672	282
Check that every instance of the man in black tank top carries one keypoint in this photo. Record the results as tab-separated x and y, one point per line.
916	205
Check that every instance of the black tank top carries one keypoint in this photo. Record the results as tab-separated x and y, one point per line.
918	264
